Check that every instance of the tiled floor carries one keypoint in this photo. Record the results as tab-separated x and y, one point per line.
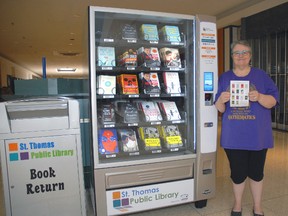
275	196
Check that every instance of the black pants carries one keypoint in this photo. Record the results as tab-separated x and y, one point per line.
246	163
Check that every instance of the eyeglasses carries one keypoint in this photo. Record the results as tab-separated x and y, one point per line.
243	52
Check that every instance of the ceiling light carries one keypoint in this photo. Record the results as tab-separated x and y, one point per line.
66	70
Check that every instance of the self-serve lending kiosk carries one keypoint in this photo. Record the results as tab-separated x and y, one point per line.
41	157
173	159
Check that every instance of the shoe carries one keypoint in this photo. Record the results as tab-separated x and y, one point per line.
254	214
233	213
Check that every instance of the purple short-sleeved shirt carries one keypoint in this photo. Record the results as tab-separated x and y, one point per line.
247	128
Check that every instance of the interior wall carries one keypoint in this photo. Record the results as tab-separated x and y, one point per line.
9	68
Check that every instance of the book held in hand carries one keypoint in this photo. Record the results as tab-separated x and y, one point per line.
106	56
108	141
239	93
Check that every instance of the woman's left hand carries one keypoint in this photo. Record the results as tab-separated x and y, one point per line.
254	96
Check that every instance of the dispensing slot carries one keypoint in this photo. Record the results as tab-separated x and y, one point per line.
208	99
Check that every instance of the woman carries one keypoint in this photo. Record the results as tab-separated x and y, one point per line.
246	129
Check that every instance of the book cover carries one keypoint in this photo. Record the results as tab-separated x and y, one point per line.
106	84
171	136
239	93
108	141
149	32
128	83
128	112
107	114
170	110
150	137
106	56
148	57
128	140
151	111
149	83
170	57
170	33
129	32
171	82
128	58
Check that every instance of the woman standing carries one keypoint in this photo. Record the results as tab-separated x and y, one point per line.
245	97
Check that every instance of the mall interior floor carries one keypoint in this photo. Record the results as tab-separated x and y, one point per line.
275	194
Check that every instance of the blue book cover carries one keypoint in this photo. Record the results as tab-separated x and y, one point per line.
108	141
171	33
149	32
106	56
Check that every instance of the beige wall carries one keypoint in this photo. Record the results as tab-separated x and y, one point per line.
9	68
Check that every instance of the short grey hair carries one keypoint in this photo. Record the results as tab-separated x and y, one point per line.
241	42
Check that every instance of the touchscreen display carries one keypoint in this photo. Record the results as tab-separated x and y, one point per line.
208	81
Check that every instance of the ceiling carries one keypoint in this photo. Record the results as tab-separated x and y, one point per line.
58	29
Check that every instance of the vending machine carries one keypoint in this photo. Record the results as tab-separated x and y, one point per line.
153	79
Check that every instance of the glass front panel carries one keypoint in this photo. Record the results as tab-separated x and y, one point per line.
263	54
142	75
272	54
281	56
281	108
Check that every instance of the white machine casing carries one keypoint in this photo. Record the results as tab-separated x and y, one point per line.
41	157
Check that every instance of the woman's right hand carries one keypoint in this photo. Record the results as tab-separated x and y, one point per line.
224	97
220	103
